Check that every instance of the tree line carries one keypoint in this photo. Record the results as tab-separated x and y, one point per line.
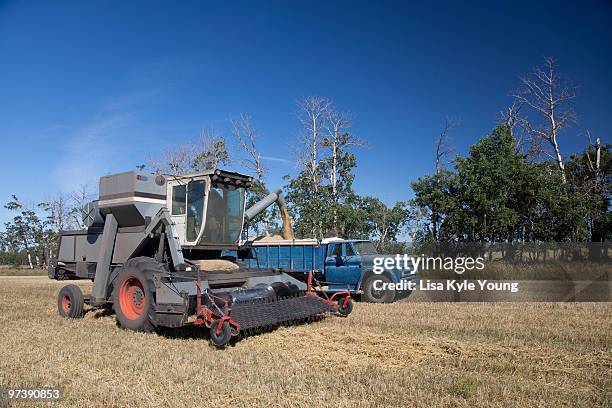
513	185
30	238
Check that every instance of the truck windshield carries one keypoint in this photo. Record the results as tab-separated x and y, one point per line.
365	248
224	215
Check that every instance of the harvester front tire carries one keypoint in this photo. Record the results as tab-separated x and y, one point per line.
373	295
345	310
221	339
70	301
134	295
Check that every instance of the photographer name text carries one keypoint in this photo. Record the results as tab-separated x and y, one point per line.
448	285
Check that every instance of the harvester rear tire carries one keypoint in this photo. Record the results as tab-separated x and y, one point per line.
372	295
134	294
220	340
70	301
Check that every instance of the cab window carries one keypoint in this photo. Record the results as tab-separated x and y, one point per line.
335	250
195	209
224	214
349	250
179	196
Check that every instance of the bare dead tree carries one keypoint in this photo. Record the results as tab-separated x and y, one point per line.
173	161
337	139
336	124
313	112
594	163
511	116
544	92
78	199
520	130
58	212
246	137
59	217
207	153
383	229
443	150
210	151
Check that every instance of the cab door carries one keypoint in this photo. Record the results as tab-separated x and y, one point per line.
341	266
177	203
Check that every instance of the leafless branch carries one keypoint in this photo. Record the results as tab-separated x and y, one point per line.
313	112
443	150
545	93
206	153
246	137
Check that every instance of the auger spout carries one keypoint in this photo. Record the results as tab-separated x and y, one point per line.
260	206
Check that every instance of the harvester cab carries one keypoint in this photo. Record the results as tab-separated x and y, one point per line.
152	245
208	208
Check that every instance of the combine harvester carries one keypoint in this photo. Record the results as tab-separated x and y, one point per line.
153	246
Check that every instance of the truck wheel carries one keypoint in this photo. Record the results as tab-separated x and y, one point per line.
373	295
134	296
345	310
221	339
403	294
70	301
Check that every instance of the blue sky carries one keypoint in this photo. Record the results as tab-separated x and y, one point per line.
88	88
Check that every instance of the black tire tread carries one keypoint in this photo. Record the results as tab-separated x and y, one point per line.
223	338
368	282
149	267
348	310
77	303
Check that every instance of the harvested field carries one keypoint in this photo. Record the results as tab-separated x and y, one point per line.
403	354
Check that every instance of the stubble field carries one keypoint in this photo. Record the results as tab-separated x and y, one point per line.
402	354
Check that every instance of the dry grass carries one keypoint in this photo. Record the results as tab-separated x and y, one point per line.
403	354
550	271
6	270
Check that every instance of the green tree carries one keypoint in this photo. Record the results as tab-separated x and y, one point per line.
24	231
495	195
436	198
487	185
266	222
548	209
383	223
590	172
352	217
306	205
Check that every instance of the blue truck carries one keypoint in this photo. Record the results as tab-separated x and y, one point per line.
336	263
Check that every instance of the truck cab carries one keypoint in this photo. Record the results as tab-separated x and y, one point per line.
352	262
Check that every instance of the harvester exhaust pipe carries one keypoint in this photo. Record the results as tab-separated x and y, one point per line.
274	197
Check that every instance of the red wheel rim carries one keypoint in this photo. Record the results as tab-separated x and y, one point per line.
132	298
65	303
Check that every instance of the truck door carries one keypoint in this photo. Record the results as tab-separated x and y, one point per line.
352	262
341	266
